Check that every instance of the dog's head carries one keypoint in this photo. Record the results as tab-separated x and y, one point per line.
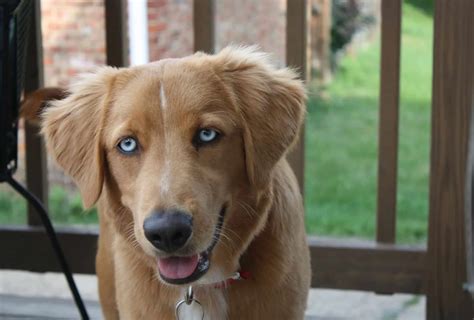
183	150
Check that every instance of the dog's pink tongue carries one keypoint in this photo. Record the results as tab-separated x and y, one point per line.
177	267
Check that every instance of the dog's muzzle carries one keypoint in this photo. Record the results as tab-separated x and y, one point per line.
169	232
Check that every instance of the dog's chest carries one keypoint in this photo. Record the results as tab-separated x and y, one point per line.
213	306
191	312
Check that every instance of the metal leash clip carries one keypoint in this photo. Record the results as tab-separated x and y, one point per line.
187	301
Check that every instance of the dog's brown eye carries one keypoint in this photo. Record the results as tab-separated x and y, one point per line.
128	145
204	136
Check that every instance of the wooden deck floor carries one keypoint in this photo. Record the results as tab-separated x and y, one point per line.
27	308
27	295
22	308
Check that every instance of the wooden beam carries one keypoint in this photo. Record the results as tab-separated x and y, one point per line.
204	25
298	49
18	307
116	35
36	161
28	248
453	102
336	264
388	124
348	265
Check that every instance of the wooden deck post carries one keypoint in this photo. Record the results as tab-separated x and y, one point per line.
204	25
298	52
453	102
116	33
388	123
469	210
321	20
36	161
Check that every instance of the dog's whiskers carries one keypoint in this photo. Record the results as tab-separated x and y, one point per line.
247	209
232	233
228	244
225	241
225	236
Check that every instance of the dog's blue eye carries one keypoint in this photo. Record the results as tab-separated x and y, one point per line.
128	145
207	135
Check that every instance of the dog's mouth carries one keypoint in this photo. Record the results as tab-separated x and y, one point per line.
182	270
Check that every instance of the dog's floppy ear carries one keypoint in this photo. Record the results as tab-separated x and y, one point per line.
271	103
72	129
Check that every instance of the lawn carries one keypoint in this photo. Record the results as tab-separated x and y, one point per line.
341	155
65	208
342	143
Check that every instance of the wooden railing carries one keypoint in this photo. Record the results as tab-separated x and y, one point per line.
444	271
388	123
450	221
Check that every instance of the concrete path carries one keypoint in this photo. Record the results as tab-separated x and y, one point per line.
25	295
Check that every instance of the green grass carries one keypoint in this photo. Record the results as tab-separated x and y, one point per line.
63	207
341	153
342	143
12	207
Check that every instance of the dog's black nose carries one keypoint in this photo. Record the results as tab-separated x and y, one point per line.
168	230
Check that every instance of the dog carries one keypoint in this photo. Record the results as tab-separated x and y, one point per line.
185	159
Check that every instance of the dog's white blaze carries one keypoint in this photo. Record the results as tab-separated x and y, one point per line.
162	96
165	178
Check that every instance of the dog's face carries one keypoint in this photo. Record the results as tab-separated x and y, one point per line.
176	153
181	145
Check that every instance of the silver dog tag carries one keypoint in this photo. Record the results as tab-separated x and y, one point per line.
188	302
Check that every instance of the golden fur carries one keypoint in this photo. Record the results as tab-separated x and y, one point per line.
258	110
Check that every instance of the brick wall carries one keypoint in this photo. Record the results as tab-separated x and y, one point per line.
253	22
170	27
74	37
238	22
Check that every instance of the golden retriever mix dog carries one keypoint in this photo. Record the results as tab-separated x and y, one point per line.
186	159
